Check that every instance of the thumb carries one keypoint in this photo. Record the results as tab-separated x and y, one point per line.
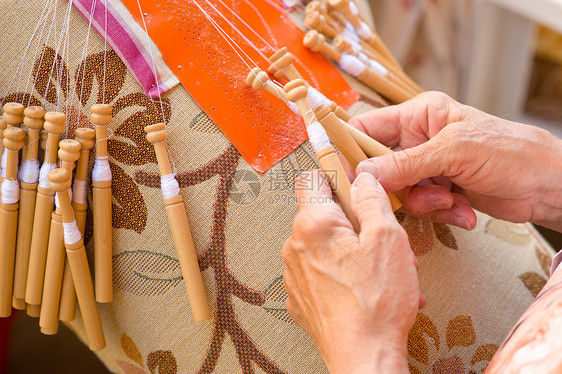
398	170
370	204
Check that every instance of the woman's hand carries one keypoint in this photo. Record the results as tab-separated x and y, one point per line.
506	169
356	295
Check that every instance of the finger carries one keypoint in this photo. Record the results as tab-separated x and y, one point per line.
422	117
381	124
402	169
421	301
312	188
416	262
460	214
370	203
349	170
419	200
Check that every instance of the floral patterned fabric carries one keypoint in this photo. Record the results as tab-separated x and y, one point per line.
476	284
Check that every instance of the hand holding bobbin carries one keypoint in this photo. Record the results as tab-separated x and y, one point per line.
296	92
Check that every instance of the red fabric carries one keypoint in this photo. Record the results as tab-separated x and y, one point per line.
5	325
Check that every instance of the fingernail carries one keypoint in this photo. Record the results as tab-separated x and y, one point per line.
369	166
461	222
365	179
439	204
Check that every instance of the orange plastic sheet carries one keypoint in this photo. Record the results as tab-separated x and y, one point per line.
213	69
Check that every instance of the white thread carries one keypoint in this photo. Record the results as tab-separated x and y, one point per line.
349	26
71	233
316	98
378	68
283	96
353	8
317	136
79	191
4	162
170	186
294	107
57	203
29	171
364	31
351	35
46	168
355	46
10	191
363	57
102	171
351	65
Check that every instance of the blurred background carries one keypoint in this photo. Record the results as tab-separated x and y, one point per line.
501	56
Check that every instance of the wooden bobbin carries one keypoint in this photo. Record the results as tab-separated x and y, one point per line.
317	43
259	80
318	22
13	142
103	248
296	92
33	121
13	114
374	40
396	72
43	136
282	65
44	204
3	126
341	136
317	6
179	225
344	45
60	182
69	151
86	137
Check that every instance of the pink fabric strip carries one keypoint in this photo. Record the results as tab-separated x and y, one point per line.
126	42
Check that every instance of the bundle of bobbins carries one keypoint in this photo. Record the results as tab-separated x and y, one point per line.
325	122
356	47
43	263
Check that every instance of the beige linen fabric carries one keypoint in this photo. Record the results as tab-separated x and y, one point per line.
476	283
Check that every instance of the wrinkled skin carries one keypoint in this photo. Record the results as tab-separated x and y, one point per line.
356	295
506	169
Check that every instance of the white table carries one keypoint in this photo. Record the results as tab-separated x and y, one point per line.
502	52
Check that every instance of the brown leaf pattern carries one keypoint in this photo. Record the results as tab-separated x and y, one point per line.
544	260
106	68
484	353
460	332
417	346
50	75
420	234
445	236
131	349
130	211
533	281
163	362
